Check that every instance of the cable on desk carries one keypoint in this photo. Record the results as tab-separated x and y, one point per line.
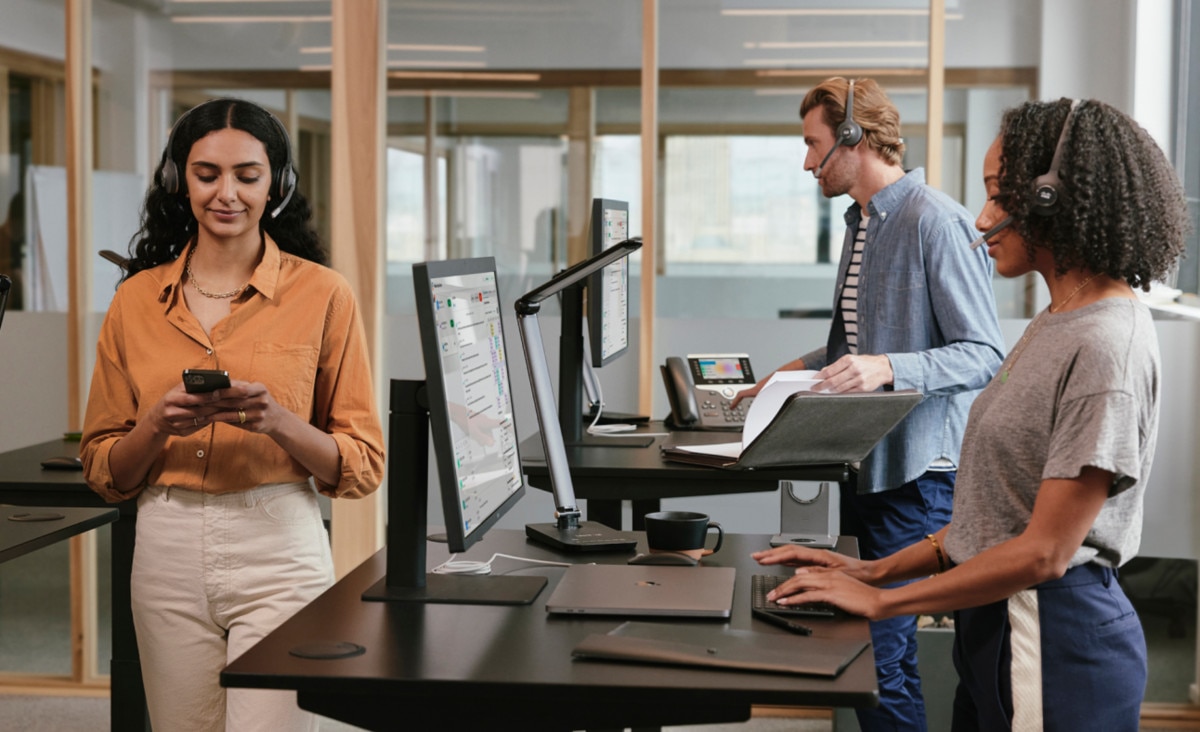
465	566
610	430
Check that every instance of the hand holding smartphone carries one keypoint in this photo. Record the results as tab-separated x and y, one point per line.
202	381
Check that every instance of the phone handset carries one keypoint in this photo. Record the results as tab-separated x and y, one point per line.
681	393
701	389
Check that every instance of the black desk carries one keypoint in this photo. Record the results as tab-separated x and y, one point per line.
471	667
19	535
23	482
607	475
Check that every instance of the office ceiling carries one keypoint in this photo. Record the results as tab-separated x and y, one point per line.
578	34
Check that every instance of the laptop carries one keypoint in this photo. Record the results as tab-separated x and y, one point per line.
644	591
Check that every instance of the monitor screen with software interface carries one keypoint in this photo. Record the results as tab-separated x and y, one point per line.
608	291
470	404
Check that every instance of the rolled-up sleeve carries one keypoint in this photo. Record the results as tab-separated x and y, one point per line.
344	402
111	409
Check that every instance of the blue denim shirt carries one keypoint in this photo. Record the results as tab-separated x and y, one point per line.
925	301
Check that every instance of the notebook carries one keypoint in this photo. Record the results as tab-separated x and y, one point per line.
722	648
644	591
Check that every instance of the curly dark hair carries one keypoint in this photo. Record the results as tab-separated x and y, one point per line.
1121	209
167	223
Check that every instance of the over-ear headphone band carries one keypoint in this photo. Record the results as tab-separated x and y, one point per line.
848	133
283	182
1047	188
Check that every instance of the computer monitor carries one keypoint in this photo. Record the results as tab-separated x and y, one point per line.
470	416
608	290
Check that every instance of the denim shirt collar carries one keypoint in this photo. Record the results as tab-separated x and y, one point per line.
889	199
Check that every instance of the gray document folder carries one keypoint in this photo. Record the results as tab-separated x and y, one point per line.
813	428
644	590
721	648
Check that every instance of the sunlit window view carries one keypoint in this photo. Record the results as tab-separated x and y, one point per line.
743	201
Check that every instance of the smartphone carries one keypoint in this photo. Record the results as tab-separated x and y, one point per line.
202	381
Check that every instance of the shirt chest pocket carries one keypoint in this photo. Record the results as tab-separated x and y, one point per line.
901	301
289	371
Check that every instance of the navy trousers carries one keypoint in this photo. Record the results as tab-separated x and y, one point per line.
885	523
1091	656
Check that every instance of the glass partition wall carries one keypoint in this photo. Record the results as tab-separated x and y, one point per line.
503	122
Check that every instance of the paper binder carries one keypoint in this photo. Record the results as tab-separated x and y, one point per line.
811	428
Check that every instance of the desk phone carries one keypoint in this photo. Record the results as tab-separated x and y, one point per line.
701	390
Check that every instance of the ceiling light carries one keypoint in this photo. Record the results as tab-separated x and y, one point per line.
466	75
468	93
414	63
234	19
830	12
835	44
865	61
435	47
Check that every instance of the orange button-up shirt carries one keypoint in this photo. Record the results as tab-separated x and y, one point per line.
296	329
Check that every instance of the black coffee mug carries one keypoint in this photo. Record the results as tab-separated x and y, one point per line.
681	531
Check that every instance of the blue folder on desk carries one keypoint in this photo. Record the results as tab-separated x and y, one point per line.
811	428
721	648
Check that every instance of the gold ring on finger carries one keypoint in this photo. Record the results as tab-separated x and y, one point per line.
241	416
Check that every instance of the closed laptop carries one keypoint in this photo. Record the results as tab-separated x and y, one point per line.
644	591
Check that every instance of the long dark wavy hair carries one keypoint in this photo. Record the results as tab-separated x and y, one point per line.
167	223
1121	209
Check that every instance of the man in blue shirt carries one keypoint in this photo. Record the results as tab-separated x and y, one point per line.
913	309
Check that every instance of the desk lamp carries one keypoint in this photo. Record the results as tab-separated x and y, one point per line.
568	532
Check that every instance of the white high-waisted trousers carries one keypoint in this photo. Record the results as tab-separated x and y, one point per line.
212	575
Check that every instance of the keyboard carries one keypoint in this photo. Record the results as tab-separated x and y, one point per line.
761	584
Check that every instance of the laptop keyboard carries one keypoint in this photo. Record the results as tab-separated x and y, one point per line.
761	584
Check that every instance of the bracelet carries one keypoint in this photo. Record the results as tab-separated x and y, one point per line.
937	549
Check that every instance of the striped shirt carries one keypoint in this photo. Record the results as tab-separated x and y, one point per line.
849	299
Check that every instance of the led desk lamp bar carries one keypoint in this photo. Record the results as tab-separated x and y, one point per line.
568	532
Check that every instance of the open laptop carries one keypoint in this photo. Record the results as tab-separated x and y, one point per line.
644	591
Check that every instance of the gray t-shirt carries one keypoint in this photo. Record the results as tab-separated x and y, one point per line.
1080	389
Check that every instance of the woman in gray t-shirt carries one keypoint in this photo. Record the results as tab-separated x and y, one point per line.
1057	448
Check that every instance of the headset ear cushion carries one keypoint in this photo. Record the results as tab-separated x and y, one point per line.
170	176
287	182
850	133
1046	192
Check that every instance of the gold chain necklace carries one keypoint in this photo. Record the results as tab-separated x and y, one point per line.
1035	326
187	268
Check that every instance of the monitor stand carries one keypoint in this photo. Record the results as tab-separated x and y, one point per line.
572	535
609	417
578	437
408	495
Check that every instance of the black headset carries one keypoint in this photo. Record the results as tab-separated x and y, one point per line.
848	133
1047	188
283	181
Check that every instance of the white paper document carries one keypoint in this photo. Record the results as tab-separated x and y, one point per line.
763	409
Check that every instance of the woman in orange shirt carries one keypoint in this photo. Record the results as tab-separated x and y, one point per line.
227	273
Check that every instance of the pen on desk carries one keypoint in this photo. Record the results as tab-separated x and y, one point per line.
785	623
